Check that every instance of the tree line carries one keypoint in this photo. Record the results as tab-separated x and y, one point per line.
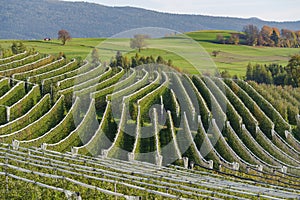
275	73
125	62
266	36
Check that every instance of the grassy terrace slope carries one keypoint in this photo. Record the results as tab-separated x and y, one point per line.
110	132
232	58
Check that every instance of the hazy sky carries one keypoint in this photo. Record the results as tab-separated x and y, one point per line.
278	10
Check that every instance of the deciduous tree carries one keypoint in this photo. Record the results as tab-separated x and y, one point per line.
293	69
138	41
64	36
252	34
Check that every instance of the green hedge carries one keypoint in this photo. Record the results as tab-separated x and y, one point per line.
43	69
204	110
100	139
118	95
61	130
81	78
15	57
103	84
280	124
24	105
154	96
100	96
47	82
30	66
13	95
40	126
31	57
32	115
248	119
69	92
4	86
64	69
81	135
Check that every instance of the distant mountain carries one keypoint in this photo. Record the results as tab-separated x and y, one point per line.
36	19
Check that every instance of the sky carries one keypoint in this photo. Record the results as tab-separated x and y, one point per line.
270	10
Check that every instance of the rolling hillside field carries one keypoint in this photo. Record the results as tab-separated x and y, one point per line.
74	128
233	58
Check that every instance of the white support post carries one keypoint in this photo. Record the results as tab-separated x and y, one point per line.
260	168
192	164
211	164
158	160
185	162
8	113
287	134
284	169
74	151
44	146
235	166
15	144
104	153
131	157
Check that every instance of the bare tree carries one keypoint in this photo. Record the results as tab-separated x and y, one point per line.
64	36
138	41
252	34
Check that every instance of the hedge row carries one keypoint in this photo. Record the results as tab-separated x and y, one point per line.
14	57
60	131
286	106
273	150
265	123
81	78
47	83
65	68
186	104
100	96
186	144
253	145
134	97
26	103
119	137
149	100
4	86
248	119
13	95
32	115
118	95
40	126
203	109
238	146
32	65
232	115
31	57
101	85
213	105
81	135
280	124
69	92
45	68
99	140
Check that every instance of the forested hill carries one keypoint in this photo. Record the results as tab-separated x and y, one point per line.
35	19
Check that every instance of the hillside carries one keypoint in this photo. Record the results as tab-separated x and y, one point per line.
36	19
233	58
71	128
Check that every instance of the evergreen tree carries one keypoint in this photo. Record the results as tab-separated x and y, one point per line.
119	59
249	73
275	38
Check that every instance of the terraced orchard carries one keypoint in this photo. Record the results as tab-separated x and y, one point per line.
74	129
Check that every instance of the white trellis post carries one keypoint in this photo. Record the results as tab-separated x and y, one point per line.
185	162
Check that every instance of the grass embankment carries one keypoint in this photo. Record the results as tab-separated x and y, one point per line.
233	58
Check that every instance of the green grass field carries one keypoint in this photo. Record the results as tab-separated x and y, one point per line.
233	58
